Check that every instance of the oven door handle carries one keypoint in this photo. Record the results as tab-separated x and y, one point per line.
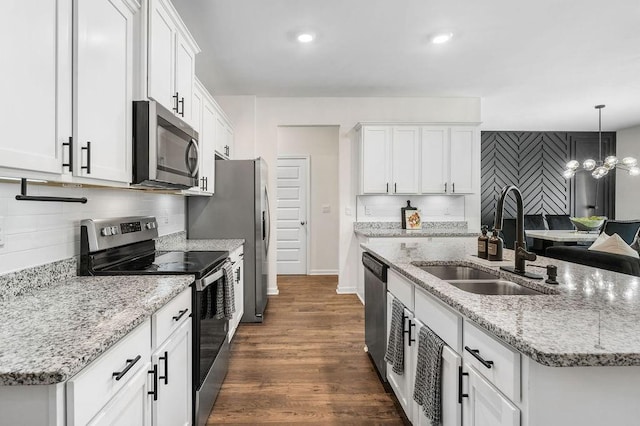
209	279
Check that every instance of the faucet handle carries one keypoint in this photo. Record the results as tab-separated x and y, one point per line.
522	252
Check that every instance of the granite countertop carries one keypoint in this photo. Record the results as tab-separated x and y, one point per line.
49	334
179	242
592	318
429	229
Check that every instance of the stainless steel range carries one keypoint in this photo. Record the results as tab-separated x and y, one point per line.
126	246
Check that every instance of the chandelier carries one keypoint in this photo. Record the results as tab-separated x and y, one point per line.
601	168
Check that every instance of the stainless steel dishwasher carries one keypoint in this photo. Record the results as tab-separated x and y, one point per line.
375	311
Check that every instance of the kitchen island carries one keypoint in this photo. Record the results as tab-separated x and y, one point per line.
572	352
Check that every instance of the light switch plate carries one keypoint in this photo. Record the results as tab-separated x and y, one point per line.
2	231
367	211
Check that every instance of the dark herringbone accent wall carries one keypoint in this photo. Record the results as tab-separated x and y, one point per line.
533	161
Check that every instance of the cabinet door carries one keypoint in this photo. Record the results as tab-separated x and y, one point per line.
451	409
220	135
103	89
36	83
130	406
162	48
405	160
173	358
196	122
185	74
463	146
238	290
485	405
207	146
402	383
375	159
229	137
434	160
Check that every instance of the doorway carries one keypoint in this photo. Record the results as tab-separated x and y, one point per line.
292	207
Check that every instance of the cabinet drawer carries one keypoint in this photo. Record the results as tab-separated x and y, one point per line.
442	320
504	368
170	317
89	390
401	288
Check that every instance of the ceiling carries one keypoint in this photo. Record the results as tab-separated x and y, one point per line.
537	65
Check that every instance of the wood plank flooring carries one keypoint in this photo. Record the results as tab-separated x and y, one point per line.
305	364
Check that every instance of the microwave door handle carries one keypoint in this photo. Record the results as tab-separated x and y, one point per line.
192	144
208	280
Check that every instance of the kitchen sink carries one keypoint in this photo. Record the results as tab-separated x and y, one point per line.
457	272
493	287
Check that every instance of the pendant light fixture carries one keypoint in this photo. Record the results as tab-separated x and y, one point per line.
600	168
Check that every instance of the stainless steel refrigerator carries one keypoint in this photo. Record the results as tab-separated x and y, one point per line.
239	208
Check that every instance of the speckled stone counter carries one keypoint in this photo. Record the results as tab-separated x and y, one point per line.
49	334
592	318
178	241
394	229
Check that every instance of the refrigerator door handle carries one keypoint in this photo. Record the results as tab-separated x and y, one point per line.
268	220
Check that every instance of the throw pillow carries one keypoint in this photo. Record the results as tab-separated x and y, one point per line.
601	239
616	245
636	243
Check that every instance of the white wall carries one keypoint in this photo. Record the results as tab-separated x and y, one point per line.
627	187
43	232
321	145
272	113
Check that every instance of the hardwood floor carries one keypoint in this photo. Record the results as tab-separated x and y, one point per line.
305	364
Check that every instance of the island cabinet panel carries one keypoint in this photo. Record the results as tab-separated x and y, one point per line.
400	288
484	405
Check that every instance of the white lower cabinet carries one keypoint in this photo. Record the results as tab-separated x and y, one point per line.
484	405
402	384
237	259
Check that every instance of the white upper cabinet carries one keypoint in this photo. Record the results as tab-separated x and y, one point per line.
36	84
405	159
171	60
207	145
464	143
375	152
103	95
435	159
224	134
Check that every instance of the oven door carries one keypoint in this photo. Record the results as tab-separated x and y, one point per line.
210	351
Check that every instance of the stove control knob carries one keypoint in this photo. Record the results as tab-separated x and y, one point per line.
150	225
105	232
114	230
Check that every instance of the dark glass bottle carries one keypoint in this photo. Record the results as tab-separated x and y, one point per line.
494	247
483	242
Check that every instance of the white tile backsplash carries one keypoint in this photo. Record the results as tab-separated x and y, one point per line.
386	208
42	232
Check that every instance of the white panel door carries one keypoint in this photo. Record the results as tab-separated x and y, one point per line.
36	83
161	56
463	145
434	160
485	405
375	161
402	384
292	216
104	75
405	157
451	409
185	74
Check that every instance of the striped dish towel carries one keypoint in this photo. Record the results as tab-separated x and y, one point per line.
428	386
225	303
395	345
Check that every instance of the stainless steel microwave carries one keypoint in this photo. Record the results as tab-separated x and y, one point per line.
165	148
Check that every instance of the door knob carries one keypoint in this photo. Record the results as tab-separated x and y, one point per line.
303	222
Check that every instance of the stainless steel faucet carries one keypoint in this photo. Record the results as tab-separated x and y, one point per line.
521	253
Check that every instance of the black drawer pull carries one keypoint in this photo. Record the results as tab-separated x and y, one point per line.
165	358
460	394
181	101
130	363
154	392
175	108
408	331
180	314
476	355
70	146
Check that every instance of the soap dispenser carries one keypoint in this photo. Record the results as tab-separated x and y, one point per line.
483	242
495	246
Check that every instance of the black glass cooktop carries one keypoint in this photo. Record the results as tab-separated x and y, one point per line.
198	263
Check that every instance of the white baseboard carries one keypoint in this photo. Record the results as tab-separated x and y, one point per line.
323	272
273	292
346	290
361	299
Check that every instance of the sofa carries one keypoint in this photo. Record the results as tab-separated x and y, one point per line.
627	230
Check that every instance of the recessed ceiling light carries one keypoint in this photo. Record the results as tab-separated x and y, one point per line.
305	37
441	38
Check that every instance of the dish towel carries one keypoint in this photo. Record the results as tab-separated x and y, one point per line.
225	303
395	345
428	386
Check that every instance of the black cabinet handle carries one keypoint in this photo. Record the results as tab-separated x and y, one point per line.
70	146
395	188
453	187
154	392
445	187
206	183
387	187
175	108
460	394
237	275
181	101
130	363
88	166
180	314
165	358
476	355
408	331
